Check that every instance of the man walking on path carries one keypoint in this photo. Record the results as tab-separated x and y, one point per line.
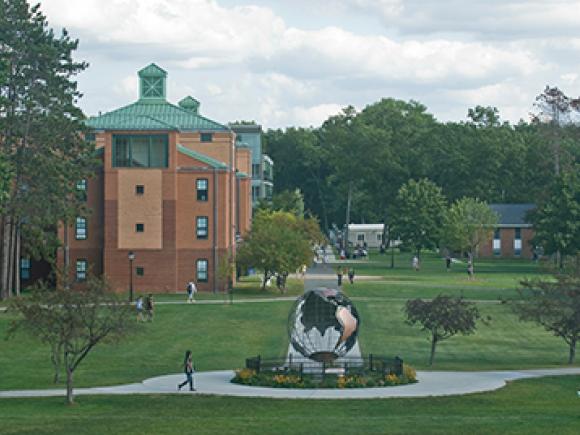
191	291
149	307
351	275
339	274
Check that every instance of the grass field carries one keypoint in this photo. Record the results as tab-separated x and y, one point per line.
537	406
222	336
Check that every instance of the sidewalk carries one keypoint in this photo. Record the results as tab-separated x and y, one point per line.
218	383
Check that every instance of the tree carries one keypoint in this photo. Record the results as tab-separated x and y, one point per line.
443	317
466	224
72	321
291	201
40	136
277	243
418	214
554	111
557	221
553	304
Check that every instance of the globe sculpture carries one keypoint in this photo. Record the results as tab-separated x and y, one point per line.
323	325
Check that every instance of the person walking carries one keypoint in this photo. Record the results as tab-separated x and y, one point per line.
149	307
448	262
191	291
139	309
339	274
470	272
188	370
351	275
415	263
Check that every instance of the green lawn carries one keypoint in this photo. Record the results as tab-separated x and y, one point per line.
222	336
537	406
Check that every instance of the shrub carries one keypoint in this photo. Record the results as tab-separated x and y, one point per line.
409	373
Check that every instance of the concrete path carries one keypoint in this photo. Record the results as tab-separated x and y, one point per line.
218	383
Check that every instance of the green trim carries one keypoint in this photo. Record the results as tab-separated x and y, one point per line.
201	157
242	175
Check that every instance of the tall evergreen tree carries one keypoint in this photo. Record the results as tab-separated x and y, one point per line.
40	136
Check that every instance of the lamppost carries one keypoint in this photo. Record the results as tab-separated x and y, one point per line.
131	258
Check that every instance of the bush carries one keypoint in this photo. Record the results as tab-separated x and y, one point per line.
297	380
409	373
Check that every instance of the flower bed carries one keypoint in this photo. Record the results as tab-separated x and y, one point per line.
296	380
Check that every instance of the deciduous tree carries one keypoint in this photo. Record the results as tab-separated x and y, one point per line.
72	321
466	224
418	214
443	317
553	304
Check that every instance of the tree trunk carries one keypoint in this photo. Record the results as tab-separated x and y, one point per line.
572	355
348	203
17	256
3	258
10	265
433	346
70	399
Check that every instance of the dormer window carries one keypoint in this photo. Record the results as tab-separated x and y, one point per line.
152	87
152	83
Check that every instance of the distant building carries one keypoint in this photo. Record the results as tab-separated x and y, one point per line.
250	136
173	191
512	236
371	234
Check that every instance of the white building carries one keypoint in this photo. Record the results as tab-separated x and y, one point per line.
372	234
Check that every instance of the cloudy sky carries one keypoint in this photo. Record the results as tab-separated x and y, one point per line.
295	62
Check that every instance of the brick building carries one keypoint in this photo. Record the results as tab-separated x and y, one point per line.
512	236
173	190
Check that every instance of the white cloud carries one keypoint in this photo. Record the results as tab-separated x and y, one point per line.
246	62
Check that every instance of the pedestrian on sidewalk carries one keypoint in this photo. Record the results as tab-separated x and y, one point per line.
188	370
149	307
351	275
191	291
339	274
139	309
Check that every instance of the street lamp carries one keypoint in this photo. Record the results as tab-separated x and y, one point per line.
131	258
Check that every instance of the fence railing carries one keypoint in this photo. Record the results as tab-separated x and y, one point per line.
344	365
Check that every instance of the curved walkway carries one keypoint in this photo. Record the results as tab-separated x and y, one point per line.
218	383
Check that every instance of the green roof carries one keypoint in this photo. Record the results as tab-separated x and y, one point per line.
201	157
152	70
153	115
152	111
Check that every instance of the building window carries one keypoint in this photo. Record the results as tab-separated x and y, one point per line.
201	268
139	189
82	189
201	185
517	242
139	228
81	228
81	270
379	237
201	231
360	237
497	242
140	151
256	173
140	271
91	137
206	137
255	193
24	268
